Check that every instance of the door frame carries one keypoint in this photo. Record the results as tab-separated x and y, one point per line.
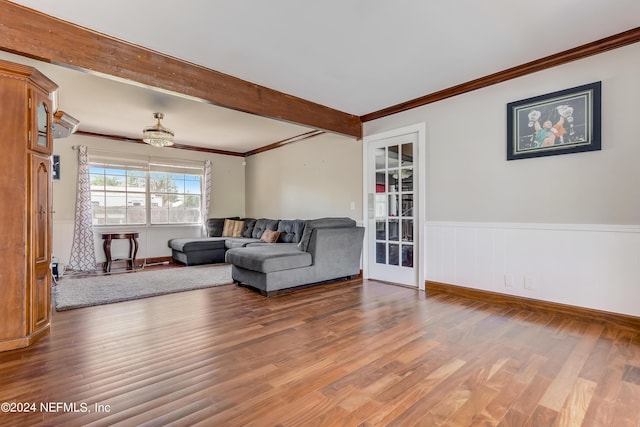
420	193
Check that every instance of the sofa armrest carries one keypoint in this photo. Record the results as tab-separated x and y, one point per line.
336	252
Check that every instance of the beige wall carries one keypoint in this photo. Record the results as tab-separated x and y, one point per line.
318	177
469	179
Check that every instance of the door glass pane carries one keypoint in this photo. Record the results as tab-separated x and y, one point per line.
393	178
381	255
392	158
380	159
407	205
407	230
381	230
394	230
407	179
407	154
394	208
381	205
394	254
407	255
380	183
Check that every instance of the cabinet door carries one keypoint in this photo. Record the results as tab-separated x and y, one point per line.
40	137
39	240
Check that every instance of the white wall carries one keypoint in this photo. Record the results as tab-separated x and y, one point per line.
227	198
570	222
317	177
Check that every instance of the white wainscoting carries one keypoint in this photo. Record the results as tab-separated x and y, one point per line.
591	266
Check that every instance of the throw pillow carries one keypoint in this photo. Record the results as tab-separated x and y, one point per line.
215	226
237	229
270	236
232	228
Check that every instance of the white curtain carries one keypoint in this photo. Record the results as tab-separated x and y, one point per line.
83	255
206	195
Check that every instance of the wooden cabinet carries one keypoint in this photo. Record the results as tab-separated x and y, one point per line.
25	215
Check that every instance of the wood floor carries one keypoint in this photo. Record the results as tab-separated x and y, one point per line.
347	354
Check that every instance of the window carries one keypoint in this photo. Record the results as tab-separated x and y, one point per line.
133	193
175	198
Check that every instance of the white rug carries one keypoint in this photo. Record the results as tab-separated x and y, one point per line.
72	293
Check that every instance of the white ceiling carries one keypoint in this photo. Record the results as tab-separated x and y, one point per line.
356	56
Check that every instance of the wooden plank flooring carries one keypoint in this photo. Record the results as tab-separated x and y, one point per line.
345	354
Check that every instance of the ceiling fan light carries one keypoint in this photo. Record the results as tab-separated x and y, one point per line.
158	135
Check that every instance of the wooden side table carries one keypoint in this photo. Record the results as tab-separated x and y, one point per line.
133	248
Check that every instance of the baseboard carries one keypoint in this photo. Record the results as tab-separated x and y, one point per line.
619	320
22	342
121	263
157	260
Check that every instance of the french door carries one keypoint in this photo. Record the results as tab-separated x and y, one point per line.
392	190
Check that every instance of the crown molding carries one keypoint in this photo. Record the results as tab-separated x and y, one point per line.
268	147
580	52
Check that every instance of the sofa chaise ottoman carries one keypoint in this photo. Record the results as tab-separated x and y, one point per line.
205	250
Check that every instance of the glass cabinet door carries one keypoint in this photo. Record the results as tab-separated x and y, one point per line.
43	125
40	128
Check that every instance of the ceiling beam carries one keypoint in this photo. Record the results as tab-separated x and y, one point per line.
589	49
34	34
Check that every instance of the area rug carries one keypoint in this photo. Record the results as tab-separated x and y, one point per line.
72	293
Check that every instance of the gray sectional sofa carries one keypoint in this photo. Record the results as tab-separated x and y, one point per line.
306	251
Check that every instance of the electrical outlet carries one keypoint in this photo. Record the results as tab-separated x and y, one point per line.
529	283
508	281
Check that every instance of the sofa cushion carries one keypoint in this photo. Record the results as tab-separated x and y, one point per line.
332	222
290	230
239	242
232	228
267	259
280	245
269	236
216	225
247	230
196	244
263	224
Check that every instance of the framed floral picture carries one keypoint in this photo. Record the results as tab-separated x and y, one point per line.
563	122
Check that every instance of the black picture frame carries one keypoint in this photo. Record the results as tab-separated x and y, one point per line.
56	167
563	122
